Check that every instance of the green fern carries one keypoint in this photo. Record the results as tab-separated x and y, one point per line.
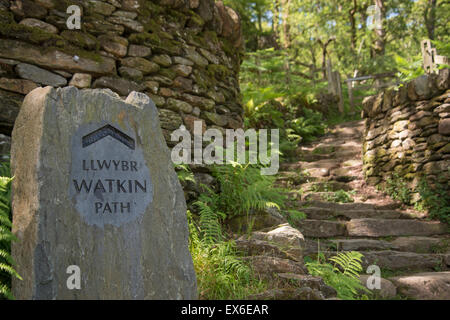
6	262
343	275
220	273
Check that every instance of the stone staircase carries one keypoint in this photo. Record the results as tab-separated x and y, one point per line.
412	251
399	240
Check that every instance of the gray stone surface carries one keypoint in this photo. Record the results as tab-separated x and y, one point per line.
137	248
39	75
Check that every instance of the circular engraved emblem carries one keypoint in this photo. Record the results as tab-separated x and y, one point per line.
110	183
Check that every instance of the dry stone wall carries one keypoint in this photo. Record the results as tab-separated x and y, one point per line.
184	54
408	132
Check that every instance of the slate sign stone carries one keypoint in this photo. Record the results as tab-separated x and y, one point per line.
95	188
110	181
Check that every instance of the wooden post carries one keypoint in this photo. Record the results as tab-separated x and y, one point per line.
338	87
330	78
350	96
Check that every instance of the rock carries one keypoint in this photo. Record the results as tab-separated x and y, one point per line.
400	125
140	64
444	127
5	147
39	75
178	105
202	103
81	80
266	266
129	251
81	39
260	248
9	108
182	70
55	59
131	73
302	281
443	80
28	8
208	55
170	120
288	294
217	119
131	5
139	51
442	108
417	244
189	121
119	85
362	244
394	227
205	9
268	218
35	23
183	83
396	260
128	23
387	289
424	286
195	57
283	236
321	228
163	60
17	85
182	61
116	45
101	7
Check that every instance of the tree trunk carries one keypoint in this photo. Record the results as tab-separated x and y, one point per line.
352	13
430	18
380	33
286	4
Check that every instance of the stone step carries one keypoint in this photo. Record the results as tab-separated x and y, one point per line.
347	206
321	186
402	261
422	244
301	281
321	228
267	266
424	286
404	244
325	213
255	247
369	227
397	260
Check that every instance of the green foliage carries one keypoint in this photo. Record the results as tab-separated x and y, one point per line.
220	273
409	69
340	196
184	173
342	273
397	189
436	201
308	126
6	262
294	216
242	189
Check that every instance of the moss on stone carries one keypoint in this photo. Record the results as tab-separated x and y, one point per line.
169	73
195	20
176	16
80	39
217	71
145	38
30	34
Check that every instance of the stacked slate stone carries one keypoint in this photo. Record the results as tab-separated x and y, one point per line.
408	132
185	54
